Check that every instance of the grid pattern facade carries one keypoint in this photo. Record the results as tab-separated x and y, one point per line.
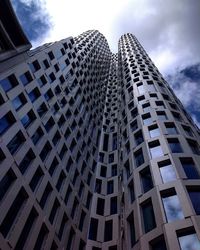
96	151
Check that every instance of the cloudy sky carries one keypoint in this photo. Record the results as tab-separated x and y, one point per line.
169	31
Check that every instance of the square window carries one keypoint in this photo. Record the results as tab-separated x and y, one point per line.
175	145
194	193
26	78
171	129
138	137
147	120
193	146
16	142
172	207
28	118
154	131
167	171
148	216
155	149
139	158
161	115
146	180
158	244
6	122
188	240
189	168
188	131
9	83
19	101
146	107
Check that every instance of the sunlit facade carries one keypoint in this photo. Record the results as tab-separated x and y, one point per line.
96	150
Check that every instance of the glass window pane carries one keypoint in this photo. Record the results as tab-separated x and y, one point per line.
162	116
167	172
147	120
195	199
175	146
154	131
171	129
139	158
148	216
141	89
156	152
189	168
189	242
158	244
172	208
146	179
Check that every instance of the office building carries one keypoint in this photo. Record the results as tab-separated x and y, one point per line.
97	152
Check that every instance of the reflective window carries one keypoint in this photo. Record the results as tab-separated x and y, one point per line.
140	89
34	66
37	135
146	180
42	80
188	130
177	116
146	107
114	170
148	216
26	78
154	131
151	86
9	83
110	187
134	113
172	207
161	115
147	119
155	149
34	94
16	142
28	118
175	145
25	163
189	242
6	122
194	146
134	125
138	137
139	158
194	194
19	101
189	168
167	171
171	128
160	104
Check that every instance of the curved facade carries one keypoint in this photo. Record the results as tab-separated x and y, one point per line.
96	151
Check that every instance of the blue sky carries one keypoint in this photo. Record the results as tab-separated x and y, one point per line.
168	30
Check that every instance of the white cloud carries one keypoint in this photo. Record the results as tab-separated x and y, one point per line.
168	30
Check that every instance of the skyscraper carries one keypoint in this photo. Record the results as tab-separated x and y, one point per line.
96	150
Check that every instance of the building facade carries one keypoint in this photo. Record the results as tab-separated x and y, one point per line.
96	150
